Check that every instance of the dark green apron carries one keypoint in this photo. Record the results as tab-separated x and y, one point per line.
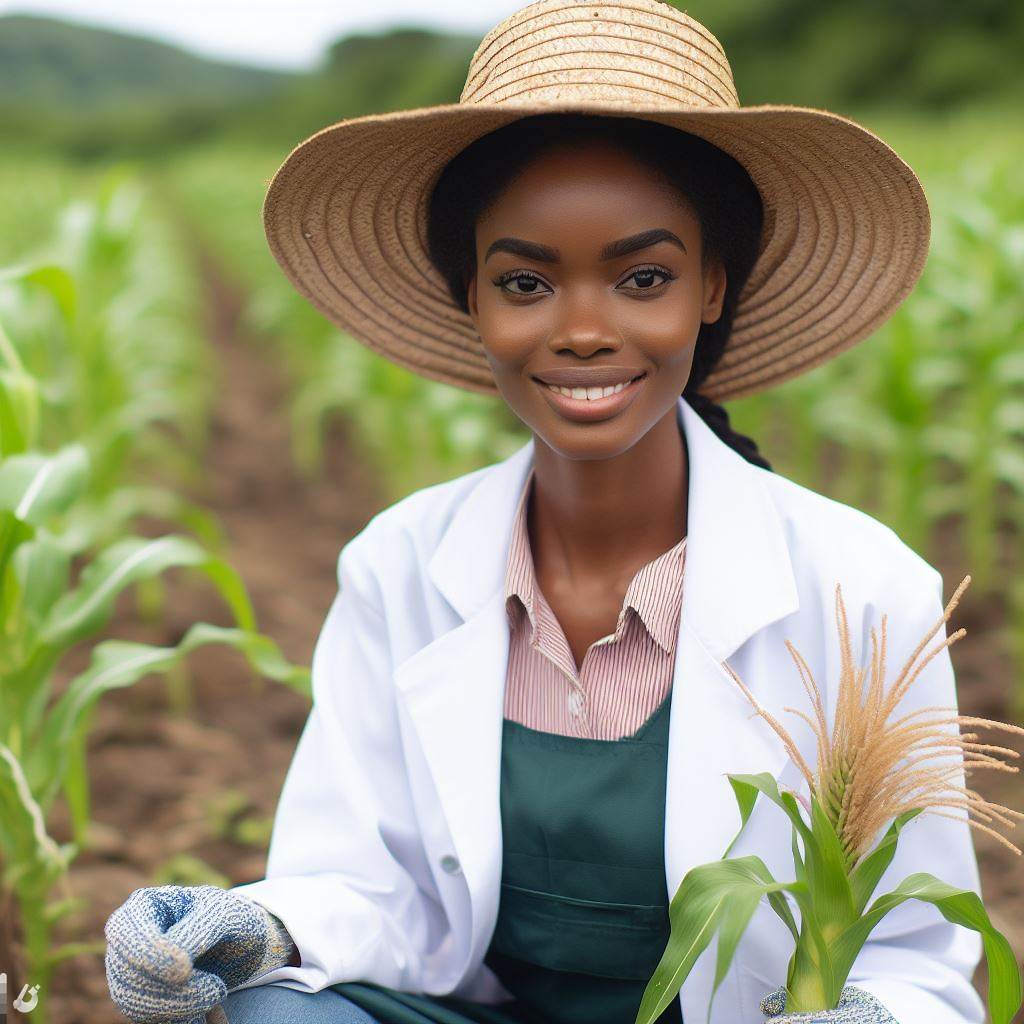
583	916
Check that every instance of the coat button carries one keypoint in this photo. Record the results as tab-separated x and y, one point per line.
451	864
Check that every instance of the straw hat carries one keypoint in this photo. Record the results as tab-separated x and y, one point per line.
846	223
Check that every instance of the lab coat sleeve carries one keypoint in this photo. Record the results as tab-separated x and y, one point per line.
916	963
344	847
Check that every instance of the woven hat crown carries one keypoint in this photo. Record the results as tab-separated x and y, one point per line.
620	53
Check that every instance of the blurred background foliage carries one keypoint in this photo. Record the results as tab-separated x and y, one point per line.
91	92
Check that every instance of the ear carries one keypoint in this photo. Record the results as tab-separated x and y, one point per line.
471	297
715	281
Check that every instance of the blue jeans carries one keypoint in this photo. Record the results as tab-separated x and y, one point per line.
275	1004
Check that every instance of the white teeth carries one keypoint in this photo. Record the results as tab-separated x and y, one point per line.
589	393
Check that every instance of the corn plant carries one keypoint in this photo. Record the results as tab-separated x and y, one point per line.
104	308
35	185
872	771
43	744
43	616
83	397
110	326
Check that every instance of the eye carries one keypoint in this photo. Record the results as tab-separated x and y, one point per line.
644	275
530	282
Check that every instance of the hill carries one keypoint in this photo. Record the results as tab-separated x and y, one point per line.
46	63
87	92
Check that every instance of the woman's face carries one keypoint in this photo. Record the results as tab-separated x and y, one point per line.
557	297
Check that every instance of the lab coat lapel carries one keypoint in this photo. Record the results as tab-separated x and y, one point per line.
454	688
738	578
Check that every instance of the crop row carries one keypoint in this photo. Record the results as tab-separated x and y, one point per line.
104	395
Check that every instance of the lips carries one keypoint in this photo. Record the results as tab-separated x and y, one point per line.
589	410
590	377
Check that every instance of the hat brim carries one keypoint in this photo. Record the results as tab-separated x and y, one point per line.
845	236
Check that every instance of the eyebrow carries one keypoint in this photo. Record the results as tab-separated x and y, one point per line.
613	250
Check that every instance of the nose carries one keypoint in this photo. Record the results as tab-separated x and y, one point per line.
583	330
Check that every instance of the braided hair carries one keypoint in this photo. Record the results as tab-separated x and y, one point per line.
714	184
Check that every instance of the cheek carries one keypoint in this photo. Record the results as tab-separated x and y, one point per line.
511	336
664	329
506	357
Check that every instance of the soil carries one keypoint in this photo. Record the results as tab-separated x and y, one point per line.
157	777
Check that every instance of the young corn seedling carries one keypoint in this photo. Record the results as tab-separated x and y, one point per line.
66	504
44	741
874	771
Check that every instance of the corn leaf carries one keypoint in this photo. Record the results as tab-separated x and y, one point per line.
70	949
19	410
127	503
87	608
32	850
736	916
92	524
13	533
868	873
827	879
694	915
823	865
960	906
746	788
42	568
119	663
798	861
76	779
746	796
52	277
821	881
715	898
35	487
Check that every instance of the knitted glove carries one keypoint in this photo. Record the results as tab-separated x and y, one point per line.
855	1007
173	952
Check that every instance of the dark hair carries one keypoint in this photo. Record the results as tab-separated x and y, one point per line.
714	184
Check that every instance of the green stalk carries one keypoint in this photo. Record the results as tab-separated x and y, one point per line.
806	992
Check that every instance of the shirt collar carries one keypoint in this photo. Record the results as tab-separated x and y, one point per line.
654	593
740	569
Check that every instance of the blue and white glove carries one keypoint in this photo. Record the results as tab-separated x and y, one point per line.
855	1007
173	952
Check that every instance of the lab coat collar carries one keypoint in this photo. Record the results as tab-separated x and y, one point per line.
738	575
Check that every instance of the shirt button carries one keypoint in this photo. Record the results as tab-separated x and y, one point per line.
451	864
575	703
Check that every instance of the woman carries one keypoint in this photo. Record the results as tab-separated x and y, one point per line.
521	725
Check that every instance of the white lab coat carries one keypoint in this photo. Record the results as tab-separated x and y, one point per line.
386	854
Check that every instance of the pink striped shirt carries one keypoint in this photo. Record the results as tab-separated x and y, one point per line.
624	676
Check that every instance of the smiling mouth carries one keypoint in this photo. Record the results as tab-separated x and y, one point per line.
589	393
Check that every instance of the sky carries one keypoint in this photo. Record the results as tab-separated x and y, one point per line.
273	33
